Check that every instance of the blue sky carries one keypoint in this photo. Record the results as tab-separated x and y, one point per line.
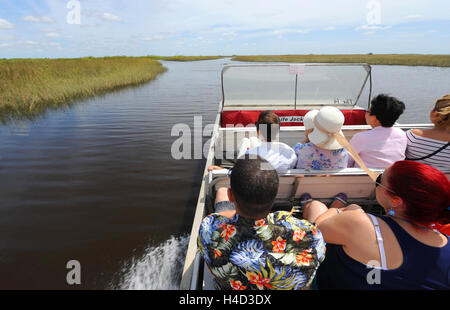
41	28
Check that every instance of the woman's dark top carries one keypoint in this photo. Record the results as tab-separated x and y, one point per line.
423	267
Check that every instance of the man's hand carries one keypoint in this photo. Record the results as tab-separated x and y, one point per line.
213	167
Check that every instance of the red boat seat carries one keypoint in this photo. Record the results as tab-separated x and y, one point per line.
287	117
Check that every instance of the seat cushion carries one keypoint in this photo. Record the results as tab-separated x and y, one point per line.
287	117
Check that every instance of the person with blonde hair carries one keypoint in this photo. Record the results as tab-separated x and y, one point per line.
431	146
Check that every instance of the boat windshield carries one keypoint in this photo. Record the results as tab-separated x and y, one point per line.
290	86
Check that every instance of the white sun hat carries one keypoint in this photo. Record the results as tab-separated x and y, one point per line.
308	119
325	123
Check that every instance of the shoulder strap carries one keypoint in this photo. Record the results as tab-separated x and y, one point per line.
380	241
429	155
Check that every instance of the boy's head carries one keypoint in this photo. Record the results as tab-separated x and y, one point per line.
268	125
385	109
254	186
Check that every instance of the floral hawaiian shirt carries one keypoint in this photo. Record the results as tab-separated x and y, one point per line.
313	158
277	252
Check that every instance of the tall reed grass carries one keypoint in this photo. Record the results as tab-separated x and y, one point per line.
29	87
373	59
185	58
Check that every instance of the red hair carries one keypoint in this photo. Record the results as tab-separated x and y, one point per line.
424	189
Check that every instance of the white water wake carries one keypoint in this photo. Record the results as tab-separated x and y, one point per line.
160	268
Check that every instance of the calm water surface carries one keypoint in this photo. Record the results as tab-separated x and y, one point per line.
96	182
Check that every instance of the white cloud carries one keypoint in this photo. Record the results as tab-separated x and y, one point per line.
4	24
52	35
111	17
373	27
37	19
413	17
31	19
31	43
229	34
331	28
6	37
155	37
46	19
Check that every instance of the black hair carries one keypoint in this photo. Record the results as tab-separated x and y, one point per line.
254	183
387	109
269	121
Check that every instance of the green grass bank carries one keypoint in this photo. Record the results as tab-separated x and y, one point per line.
373	59
185	58
31	86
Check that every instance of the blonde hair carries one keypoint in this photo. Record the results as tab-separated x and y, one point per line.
442	109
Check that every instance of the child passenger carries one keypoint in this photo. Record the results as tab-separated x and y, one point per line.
321	151
280	155
383	144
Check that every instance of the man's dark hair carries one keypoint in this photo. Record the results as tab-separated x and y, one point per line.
270	121
254	183
387	109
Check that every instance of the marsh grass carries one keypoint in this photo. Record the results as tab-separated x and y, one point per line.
185	58
31	86
373	59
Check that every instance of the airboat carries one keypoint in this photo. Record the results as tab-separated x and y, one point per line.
289	90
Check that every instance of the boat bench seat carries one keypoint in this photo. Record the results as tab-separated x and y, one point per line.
287	117
322	185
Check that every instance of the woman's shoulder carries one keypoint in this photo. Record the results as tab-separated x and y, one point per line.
417	132
427	135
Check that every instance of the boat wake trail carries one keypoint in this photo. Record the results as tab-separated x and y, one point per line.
160	267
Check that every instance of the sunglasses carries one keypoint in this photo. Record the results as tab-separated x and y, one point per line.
378	182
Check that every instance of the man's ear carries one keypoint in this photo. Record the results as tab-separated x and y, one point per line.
230	195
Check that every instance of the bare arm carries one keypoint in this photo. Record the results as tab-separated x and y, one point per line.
339	228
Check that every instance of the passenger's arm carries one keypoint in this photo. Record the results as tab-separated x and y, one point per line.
214	167
223	194
340	228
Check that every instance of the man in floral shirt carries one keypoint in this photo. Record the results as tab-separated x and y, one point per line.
247	247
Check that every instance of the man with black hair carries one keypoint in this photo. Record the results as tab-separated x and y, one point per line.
383	145
246	247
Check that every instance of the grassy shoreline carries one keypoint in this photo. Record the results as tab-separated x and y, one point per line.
373	59
185	58
31	86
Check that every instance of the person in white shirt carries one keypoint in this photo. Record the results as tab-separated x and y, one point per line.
280	155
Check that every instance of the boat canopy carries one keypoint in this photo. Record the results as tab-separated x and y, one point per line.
292	86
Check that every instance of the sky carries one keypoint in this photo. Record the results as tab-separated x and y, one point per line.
79	28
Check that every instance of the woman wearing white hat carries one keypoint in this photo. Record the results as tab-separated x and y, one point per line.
323	151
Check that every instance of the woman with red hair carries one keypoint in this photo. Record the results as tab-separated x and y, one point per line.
401	250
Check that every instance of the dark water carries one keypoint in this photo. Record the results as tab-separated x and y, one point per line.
96	183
